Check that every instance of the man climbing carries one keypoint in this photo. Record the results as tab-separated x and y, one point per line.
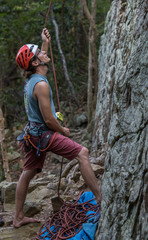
43	127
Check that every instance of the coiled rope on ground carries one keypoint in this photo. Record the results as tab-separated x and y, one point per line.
68	221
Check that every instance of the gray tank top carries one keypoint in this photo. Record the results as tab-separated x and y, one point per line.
31	104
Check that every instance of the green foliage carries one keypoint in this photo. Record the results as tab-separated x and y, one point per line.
22	22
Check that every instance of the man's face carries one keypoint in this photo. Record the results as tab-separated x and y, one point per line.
42	56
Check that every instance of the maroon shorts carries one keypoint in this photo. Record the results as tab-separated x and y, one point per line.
60	145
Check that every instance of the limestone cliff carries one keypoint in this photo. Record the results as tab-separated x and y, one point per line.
122	121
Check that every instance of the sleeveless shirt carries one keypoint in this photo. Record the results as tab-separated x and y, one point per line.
31	104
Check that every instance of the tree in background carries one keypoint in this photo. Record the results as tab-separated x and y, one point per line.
22	22
4	164
92	57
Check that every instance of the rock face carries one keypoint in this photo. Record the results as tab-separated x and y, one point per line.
121	120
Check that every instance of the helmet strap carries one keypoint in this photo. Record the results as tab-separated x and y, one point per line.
42	63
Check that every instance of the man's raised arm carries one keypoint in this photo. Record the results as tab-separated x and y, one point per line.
45	40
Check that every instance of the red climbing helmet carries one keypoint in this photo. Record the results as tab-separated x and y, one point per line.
24	55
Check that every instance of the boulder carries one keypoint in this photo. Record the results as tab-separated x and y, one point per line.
16	133
8	195
32	208
97	169
13	155
81	119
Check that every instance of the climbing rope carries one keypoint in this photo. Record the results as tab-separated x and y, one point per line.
54	73
47	13
55	79
68	221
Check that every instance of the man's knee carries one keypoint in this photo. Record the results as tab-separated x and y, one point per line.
83	154
29	174
85	151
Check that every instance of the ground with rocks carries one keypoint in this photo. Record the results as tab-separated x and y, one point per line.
43	188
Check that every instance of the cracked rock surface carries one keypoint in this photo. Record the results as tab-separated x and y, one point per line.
122	121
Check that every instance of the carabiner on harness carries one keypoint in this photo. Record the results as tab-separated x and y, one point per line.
60	116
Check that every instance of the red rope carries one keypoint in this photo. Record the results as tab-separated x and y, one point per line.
47	13
55	79
55	76
54	73
59	111
68	221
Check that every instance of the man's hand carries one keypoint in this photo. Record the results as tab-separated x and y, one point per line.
45	35
45	38
66	132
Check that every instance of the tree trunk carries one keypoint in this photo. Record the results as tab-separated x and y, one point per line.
92	59
63	60
82	36
3	148
90	83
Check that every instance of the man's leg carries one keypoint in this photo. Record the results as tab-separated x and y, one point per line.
88	174
21	192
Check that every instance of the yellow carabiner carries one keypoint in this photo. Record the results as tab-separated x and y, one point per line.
60	116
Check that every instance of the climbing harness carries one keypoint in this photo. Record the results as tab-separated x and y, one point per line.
38	148
43	139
